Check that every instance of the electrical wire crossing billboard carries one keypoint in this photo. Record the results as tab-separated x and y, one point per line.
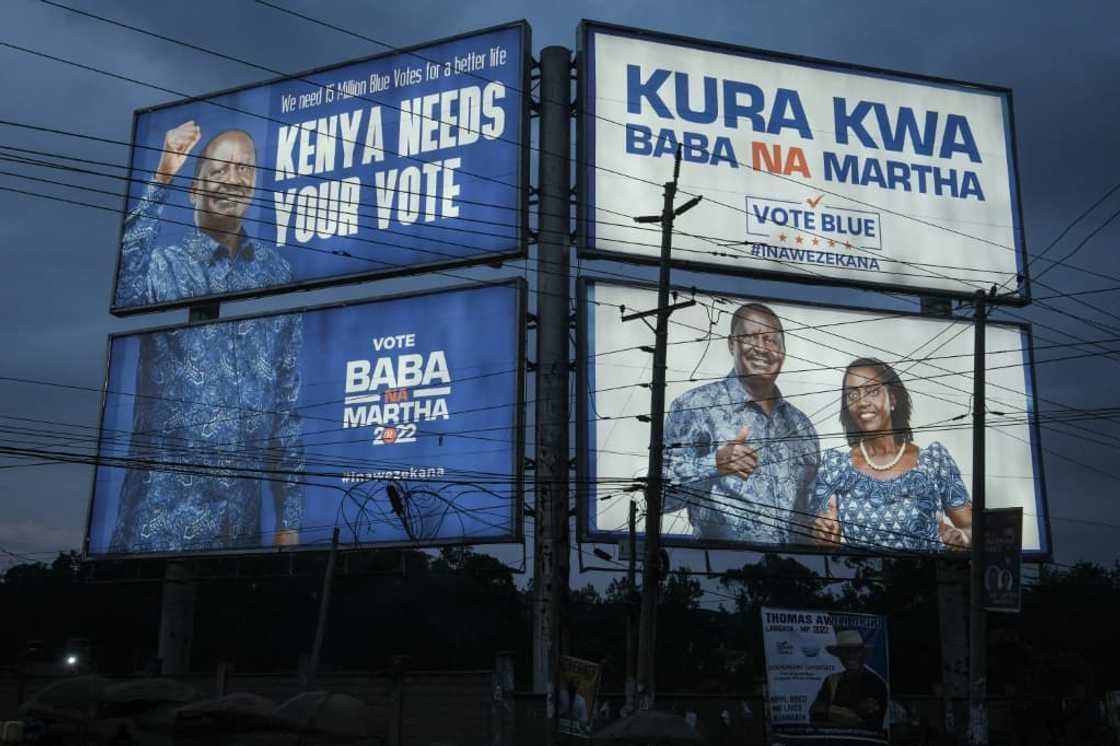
810	170
390	165
385	419
804	428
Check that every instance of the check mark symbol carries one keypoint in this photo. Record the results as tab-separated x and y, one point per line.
814	202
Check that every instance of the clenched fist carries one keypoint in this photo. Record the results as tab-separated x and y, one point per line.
737	458
177	144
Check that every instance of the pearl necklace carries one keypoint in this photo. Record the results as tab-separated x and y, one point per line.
882	467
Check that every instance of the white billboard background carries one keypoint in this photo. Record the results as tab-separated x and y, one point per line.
921	240
820	343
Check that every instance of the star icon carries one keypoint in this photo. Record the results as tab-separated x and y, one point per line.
816	241
799	239
847	244
781	237
831	243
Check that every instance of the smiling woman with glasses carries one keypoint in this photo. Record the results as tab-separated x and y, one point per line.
884	491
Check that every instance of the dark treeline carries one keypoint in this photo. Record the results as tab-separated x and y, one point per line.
457	609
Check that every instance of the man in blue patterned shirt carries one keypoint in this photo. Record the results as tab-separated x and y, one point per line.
740	457
216	257
215	408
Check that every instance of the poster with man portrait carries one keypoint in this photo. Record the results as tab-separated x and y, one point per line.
383	419
577	686
827	675
394	164
802	427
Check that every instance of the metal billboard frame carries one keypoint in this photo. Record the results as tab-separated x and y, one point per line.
585	224
585	419
518	251
517	502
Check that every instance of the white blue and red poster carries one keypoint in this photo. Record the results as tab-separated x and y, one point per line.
809	169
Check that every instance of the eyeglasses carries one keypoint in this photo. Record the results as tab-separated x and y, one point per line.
771	341
871	391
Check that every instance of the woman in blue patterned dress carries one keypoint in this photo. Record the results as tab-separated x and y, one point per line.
884	492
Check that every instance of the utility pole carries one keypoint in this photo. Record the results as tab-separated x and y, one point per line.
551	560
647	631
631	662
952	607
324	606
978	621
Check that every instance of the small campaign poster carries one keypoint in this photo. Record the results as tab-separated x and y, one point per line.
828	676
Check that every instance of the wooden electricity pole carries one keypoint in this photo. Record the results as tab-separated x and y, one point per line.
647	627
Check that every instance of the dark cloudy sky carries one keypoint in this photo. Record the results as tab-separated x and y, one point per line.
1060	59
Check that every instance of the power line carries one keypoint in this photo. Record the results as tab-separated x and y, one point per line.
630	176
488	407
168	220
792	265
242	61
209	101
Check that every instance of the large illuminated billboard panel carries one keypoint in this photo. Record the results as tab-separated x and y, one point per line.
805	428
810	170
384	419
396	164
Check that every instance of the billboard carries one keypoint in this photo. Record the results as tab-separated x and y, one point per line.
810	170
827	676
385	419
388	165
804	428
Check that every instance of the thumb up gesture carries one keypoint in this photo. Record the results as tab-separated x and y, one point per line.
826	526
736	458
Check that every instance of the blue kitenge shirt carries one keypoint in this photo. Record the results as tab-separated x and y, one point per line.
197	266
902	513
218	398
759	509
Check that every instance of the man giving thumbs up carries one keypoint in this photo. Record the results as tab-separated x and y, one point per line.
738	456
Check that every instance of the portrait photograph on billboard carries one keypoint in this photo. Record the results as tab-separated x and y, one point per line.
384	166
807	428
809	169
827	675
384	419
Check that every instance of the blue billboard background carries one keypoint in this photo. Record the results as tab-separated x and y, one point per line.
385	166
388	420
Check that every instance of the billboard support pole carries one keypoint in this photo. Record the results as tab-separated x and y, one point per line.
553	357
631	662
647	627
324	606
953	620
176	619
176	616
978	622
